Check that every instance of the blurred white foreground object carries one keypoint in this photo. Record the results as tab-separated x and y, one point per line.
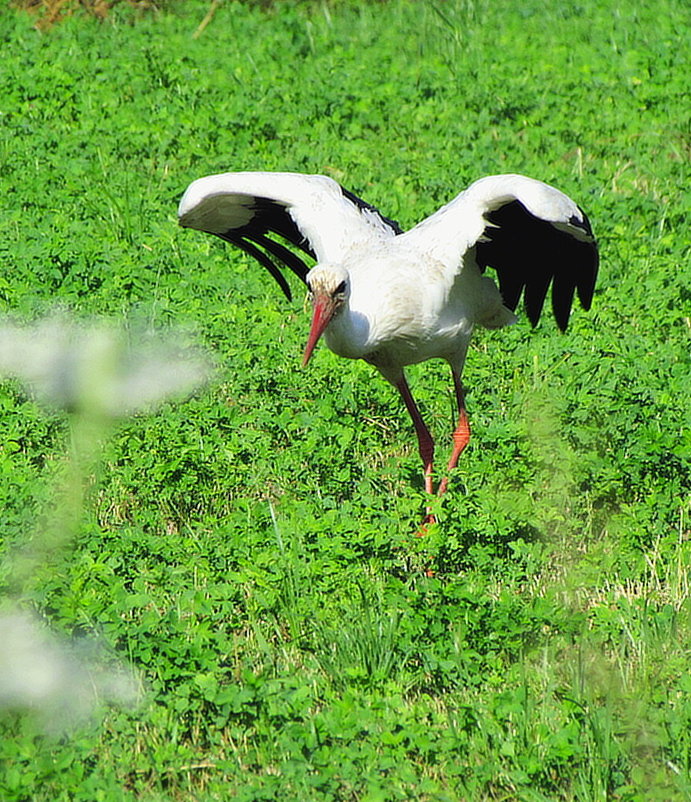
92	367
59	680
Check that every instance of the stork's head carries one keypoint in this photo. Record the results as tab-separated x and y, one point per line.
329	288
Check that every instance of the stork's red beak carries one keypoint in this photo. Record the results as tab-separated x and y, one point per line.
323	309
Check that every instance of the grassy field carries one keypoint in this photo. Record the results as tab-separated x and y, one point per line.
222	597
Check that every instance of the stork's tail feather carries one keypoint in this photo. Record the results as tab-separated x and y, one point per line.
498	318
493	314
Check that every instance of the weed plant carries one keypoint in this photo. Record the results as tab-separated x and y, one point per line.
249	551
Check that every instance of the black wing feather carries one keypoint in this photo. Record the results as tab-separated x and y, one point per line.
252	250
529	253
271	217
363	205
283	254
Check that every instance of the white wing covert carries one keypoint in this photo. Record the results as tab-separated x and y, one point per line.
311	212
532	234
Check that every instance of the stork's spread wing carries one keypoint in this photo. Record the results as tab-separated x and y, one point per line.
529	232
311	212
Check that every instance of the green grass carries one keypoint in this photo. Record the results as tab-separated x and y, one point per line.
250	550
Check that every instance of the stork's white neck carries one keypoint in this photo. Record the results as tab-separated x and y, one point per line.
348	333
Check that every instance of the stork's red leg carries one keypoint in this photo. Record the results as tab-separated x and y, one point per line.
424	438
461	434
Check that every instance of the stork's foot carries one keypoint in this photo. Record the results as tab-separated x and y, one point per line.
443	485
461	436
429	519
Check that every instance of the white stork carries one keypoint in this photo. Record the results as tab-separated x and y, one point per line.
395	298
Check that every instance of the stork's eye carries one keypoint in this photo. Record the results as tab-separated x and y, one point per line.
340	289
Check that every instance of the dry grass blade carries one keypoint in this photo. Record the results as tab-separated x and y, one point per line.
207	19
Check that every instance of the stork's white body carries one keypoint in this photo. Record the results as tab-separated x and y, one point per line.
396	298
406	306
